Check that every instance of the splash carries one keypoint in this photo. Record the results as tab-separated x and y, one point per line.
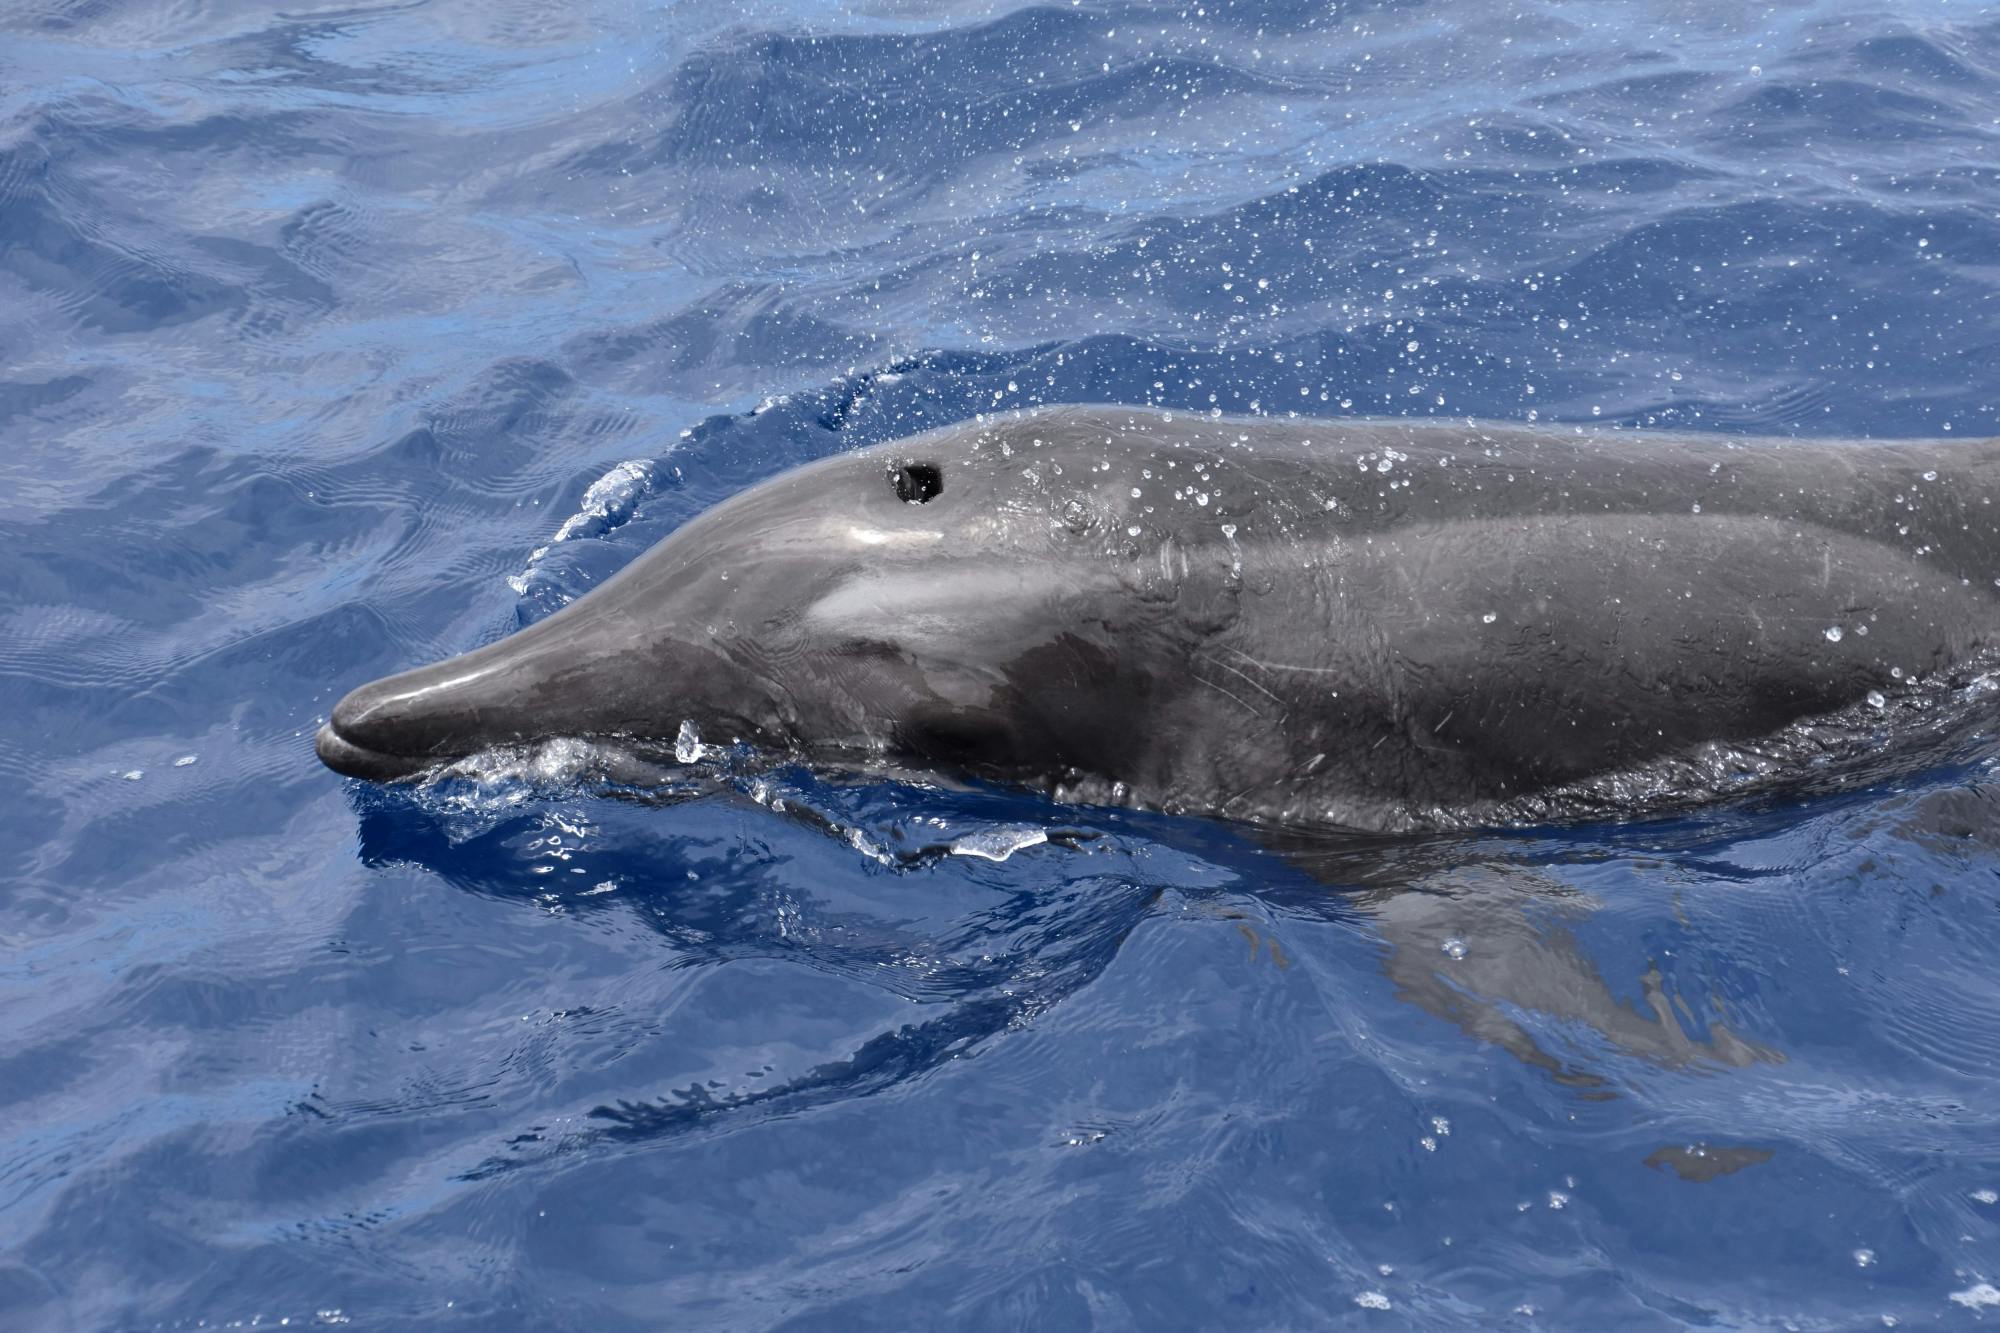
608	504
998	844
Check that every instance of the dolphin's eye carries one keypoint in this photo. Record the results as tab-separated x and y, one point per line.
916	483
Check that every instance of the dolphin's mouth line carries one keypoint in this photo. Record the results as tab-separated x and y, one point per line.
352	760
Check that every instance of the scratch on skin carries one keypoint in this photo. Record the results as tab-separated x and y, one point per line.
1238	698
1283	666
1245	679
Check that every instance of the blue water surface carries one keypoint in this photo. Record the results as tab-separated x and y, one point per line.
337	339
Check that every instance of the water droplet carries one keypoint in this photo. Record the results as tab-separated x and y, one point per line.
1877	700
135	775
1697	507
1833	634
1454	948
184	761
1863	1258
1896	673
1489	617
687	745
1132	531
1930	476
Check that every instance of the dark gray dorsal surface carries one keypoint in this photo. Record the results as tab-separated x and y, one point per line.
1372	624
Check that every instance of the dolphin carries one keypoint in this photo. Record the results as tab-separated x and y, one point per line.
1343	624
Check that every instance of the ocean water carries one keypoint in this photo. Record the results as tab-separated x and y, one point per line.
336	339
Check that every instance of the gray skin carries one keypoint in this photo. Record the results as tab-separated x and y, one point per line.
1354	624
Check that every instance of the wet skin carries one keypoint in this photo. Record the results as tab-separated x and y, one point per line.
1345	624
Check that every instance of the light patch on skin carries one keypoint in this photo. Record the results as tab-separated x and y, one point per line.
918	605
906	537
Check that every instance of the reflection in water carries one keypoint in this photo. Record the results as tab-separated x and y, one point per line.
1489	934
985	971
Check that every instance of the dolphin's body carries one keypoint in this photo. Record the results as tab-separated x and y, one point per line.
1373	624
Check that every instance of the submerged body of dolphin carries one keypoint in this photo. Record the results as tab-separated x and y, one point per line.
1372	624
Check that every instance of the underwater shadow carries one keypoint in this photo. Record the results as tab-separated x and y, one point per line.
1483	931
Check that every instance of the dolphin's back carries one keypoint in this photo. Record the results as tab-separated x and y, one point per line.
1459	614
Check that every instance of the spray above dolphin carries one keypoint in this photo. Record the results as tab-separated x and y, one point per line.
1343	624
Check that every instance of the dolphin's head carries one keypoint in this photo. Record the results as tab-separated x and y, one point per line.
941	602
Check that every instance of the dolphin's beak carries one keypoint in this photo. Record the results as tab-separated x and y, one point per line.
594	668
348	759
534	683
400	725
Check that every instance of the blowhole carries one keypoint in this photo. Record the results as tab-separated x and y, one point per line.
917	483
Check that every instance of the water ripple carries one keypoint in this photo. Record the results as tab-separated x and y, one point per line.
338	339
